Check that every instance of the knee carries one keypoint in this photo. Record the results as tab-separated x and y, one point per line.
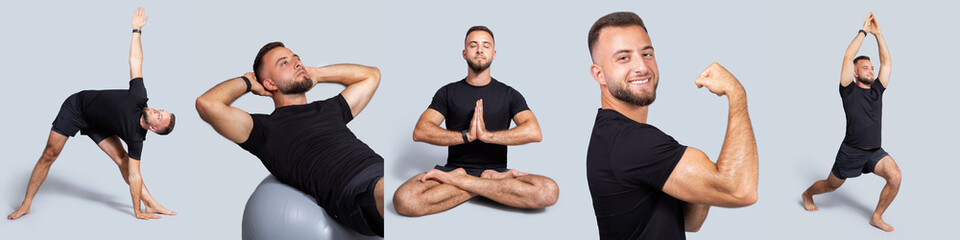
894	179
49	155
406	203
830	187
548	194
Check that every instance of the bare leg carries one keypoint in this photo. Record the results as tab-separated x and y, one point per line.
55	144
112	147
512	188
828	185
415	198
889	170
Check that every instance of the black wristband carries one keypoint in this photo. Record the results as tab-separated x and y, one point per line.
247	81
465	139
862	31
137	31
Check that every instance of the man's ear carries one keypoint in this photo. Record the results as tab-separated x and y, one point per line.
464	53
269	85
153	128
597	74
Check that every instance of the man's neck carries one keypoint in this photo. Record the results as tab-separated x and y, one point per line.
283	100
863	85
143	120
478	79
635	113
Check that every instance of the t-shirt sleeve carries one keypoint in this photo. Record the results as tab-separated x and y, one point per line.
439	102
644	156
517	103
878	85
343	108
137	88
134	148
257	136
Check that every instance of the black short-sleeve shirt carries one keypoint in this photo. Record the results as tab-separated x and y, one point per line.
117	112
456	102
310	148
863	109
627	165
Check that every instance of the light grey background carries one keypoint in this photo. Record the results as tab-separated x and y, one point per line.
787	55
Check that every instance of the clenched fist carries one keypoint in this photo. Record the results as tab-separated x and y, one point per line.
719	81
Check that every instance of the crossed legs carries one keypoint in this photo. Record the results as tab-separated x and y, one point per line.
436	191
886	168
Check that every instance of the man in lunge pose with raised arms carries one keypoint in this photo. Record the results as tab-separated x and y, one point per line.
860	152
108	116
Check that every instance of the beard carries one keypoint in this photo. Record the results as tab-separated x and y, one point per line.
623	94
296	87
476	68
865	80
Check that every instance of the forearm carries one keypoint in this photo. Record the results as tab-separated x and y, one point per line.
428	133
136	57
136	185
854	46
522	134
221	95
884	52
694	214
737	162
344	74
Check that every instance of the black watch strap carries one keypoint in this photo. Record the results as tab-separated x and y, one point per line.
465	139
247	81
862	31
136	30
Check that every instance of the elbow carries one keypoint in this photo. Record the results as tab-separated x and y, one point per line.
417	135
743	198
537	137
692	229
202	105
375	74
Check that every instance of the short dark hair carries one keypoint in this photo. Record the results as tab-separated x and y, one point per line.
616	19
478	28
169	128
258	61
861	57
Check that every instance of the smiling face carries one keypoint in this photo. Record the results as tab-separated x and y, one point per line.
624	64
283	71
478	50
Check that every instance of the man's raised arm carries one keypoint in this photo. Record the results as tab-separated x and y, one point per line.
361	82
136	52
732	181
847	70
214	107
885	63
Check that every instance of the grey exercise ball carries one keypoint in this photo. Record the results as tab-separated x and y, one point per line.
278	211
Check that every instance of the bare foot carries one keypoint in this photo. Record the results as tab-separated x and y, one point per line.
159	209
808	202
441	176
17	214
877	222
146	216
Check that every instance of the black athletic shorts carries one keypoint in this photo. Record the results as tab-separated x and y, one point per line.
472	171
69	121
357	207
851	161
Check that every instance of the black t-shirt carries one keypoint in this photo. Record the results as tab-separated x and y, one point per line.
310	148
117	112
456	102
863	108
627	165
